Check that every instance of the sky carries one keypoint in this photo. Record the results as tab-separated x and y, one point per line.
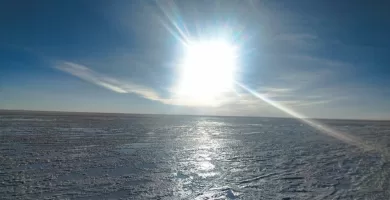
323	59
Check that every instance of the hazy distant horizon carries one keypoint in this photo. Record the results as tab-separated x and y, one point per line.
14	111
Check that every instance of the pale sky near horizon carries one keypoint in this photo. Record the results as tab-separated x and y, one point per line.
326	59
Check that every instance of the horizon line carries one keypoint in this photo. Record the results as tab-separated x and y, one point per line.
14	111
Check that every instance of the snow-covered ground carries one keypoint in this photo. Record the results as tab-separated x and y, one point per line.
86	156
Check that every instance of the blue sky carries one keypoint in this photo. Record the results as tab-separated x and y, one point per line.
321	58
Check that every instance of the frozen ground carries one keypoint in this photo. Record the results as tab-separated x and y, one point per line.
95	156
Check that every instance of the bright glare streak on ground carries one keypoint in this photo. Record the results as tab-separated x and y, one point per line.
207	71
347	138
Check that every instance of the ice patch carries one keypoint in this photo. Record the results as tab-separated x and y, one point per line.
208	174
133	147
251	133
205	166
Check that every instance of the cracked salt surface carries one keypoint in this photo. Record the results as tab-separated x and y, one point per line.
86	156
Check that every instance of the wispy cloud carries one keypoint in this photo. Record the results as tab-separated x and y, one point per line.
231	103
109	83
276	92
293	97
295	38
118	86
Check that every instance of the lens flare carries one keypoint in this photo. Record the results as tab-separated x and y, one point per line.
347	138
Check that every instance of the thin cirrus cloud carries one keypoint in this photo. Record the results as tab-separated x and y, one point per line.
118	86
237	100
106	82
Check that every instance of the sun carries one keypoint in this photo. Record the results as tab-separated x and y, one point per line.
206	72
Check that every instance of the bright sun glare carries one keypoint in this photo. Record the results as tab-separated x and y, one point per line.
207	71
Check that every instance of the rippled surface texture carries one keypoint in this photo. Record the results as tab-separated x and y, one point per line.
96	156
